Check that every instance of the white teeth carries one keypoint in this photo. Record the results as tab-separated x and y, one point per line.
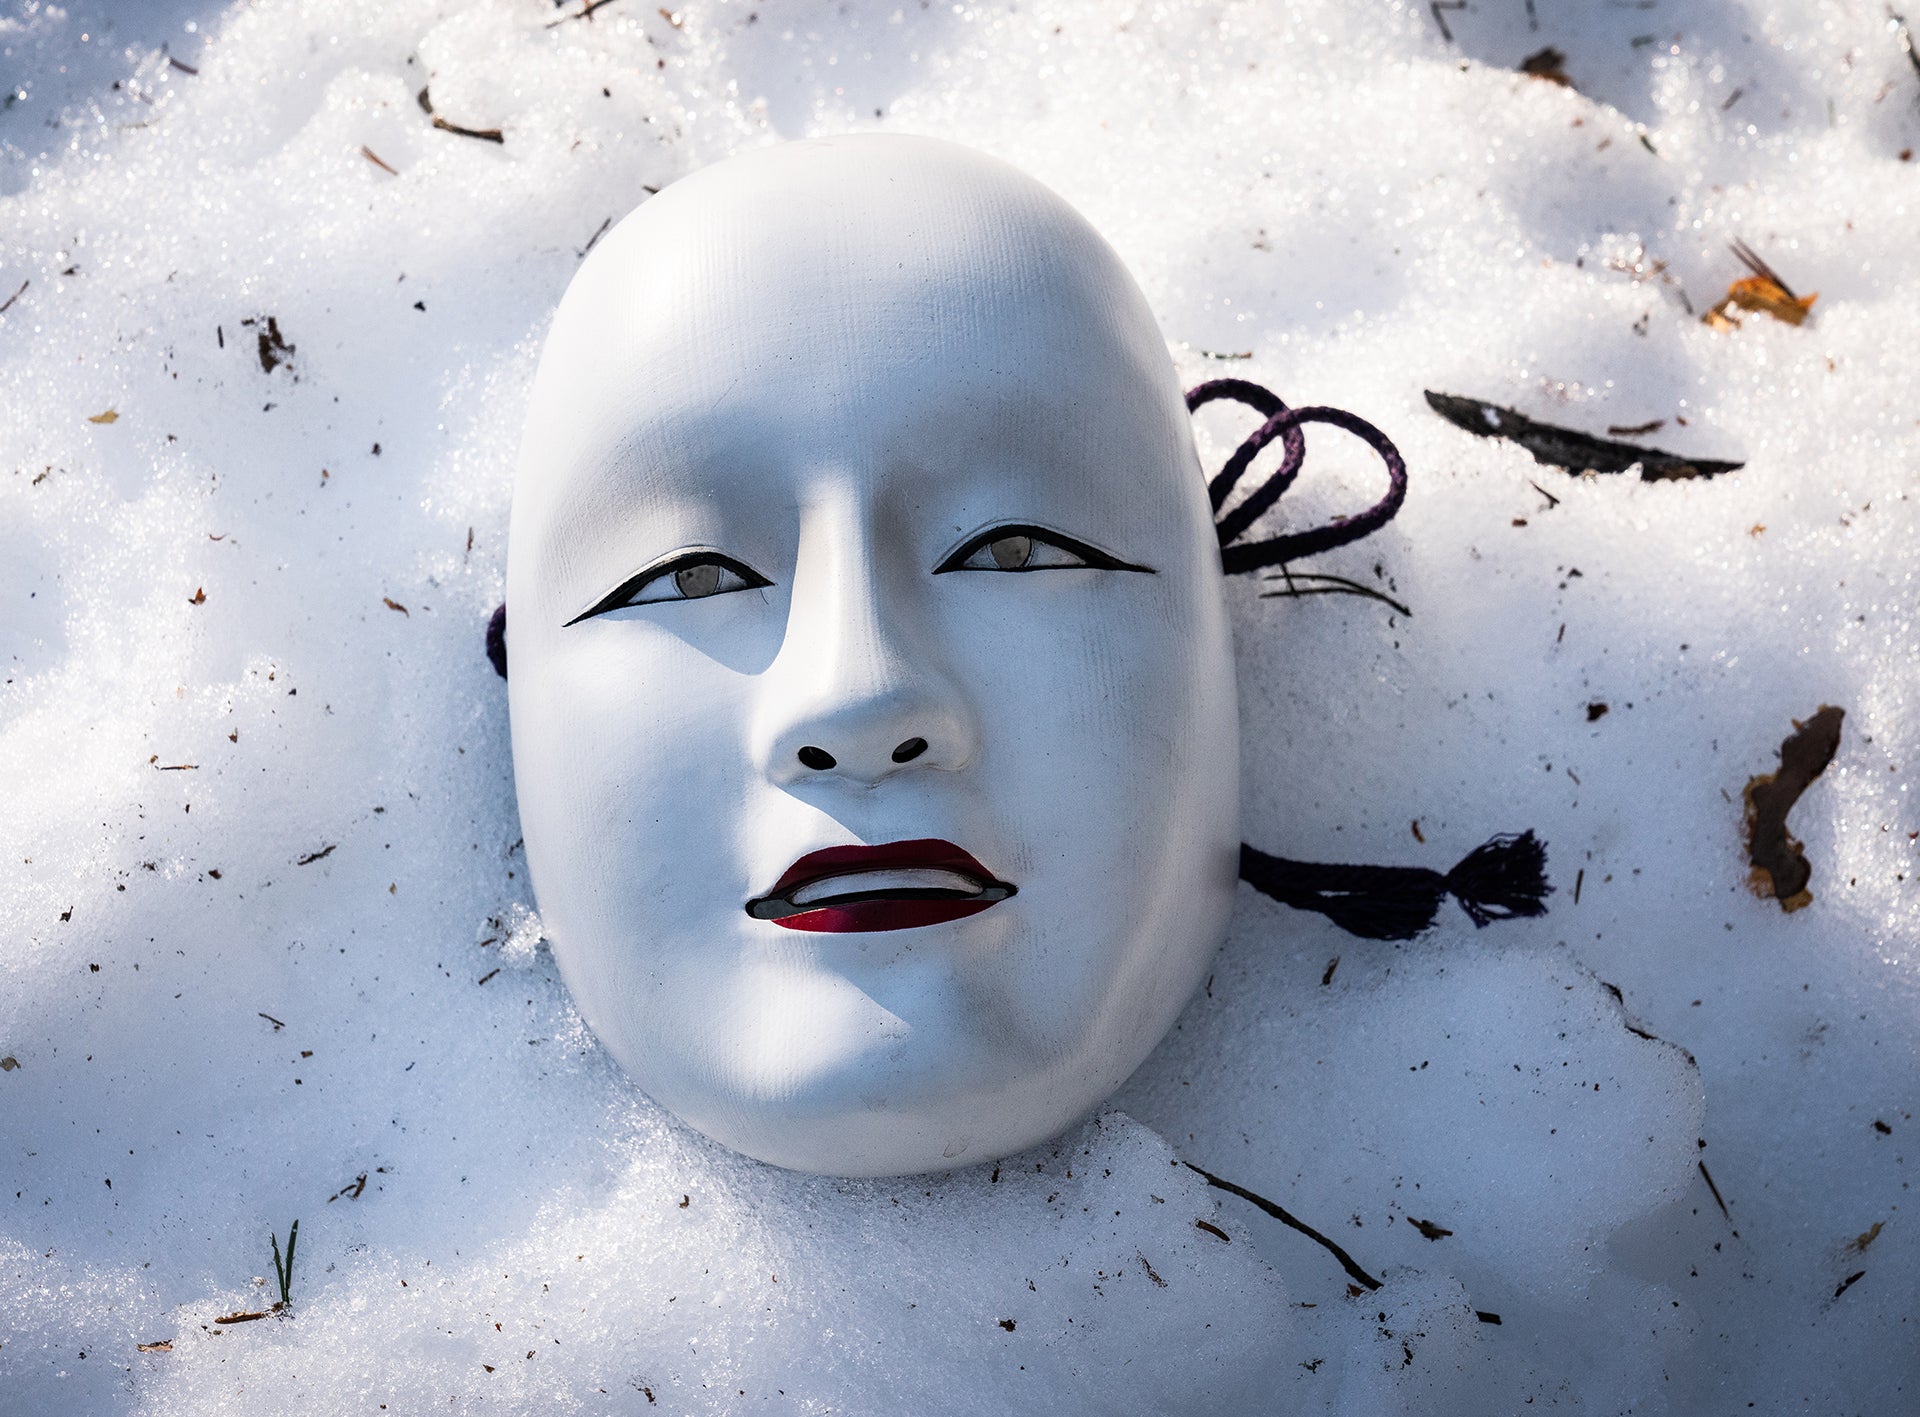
862	882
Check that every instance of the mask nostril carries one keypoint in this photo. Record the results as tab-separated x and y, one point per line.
910	750
816	758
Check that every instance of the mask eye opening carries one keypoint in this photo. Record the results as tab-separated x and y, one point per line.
685	568
1037	537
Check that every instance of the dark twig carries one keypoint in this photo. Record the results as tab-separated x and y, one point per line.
1905	38
1330	585
1707	1176
1751	259
487	135
277	1025
594	239
585	12
1436	7
15	296
1354	1272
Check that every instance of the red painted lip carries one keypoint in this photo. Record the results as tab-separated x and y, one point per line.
900	911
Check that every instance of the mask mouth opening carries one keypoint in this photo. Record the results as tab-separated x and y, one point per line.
854	888
895	886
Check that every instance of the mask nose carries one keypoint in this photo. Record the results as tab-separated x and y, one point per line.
820	760
865	718
858	691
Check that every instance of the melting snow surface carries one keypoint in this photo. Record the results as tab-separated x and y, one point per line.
266	946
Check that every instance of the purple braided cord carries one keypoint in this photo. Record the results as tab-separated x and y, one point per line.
1293	453
1284	423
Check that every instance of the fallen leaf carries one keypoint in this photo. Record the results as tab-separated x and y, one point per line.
165	1345
1428	1228
1763	291
272	348
110	416
395	605
1780	866
9	1063
1547	64
1566	448
199	597
1865	1238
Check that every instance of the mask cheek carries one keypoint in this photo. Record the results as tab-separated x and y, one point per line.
1123	799
628	809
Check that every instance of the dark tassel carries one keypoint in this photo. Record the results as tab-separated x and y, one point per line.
497	641
1504	878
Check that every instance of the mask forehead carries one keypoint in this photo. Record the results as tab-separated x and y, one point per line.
953	322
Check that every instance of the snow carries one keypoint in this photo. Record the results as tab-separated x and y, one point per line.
1366	207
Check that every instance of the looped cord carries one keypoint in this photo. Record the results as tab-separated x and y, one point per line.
1284	423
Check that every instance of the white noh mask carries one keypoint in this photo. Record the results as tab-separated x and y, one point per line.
873	699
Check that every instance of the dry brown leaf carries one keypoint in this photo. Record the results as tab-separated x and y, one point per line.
110	416
1780	867
1758	293
1548	64
165	1345
1763	292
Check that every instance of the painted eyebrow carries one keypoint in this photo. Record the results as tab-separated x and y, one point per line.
1095	558
678	561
